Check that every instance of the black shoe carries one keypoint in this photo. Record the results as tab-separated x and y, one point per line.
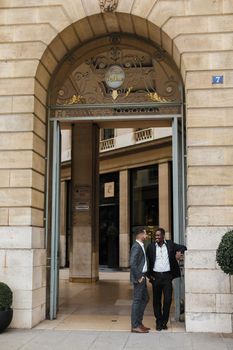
159	327
164	326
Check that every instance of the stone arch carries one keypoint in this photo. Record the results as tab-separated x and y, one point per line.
86	31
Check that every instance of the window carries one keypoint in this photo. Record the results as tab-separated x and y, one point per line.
144	198
107	134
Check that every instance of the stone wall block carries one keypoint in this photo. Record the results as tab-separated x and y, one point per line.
200	195
203	259
206	281
27	299
43	32
5	178
21	237
163	10
27	318
24	258
210	216
15	159
125	6
49	61
204	42
215	155
211	98
203	80
208	322
58	48
200	302
16	122
17	277
224	303
91	7
142	9
38	181
15	86
209	117
14	50
4	216
210	137
23	104
69	38
210	175
38	163
40	92
40	110
26	216
216	60
39	128
18	69
43	76
37	277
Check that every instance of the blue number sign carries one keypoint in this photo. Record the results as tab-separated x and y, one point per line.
217	79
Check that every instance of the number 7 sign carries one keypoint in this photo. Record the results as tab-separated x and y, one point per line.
217	79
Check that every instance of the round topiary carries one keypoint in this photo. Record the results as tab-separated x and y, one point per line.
224	255
5	296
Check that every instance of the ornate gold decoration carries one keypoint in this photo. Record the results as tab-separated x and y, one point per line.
75	99
128	91
138	78
156	98
114	94
108	5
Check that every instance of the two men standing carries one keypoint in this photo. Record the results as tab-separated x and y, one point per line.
160	265
138	273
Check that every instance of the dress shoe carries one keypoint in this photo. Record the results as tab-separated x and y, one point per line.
165	326
139	330
145	328
159	327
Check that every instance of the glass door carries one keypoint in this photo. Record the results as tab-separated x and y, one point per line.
178	204
53	218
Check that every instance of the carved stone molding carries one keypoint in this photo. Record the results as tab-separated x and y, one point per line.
108	5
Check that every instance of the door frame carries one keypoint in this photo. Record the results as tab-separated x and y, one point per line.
53	204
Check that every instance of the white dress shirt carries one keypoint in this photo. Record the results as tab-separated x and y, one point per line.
145	265
162	263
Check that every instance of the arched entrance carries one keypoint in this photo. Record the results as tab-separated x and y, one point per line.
111	82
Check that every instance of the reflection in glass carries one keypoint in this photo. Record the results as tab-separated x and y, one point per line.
144	199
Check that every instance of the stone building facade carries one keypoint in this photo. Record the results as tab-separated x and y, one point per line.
35	37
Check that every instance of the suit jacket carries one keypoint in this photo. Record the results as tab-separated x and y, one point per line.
172	248
137	261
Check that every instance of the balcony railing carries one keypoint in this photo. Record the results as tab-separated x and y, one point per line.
143	135
106	145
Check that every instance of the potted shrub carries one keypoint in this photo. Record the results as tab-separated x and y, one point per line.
6	312
224	255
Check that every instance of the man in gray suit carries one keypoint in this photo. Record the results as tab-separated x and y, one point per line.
138	272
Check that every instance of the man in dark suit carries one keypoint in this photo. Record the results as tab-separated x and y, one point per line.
138	272
163	268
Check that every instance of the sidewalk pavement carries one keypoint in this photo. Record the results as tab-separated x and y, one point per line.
35	339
